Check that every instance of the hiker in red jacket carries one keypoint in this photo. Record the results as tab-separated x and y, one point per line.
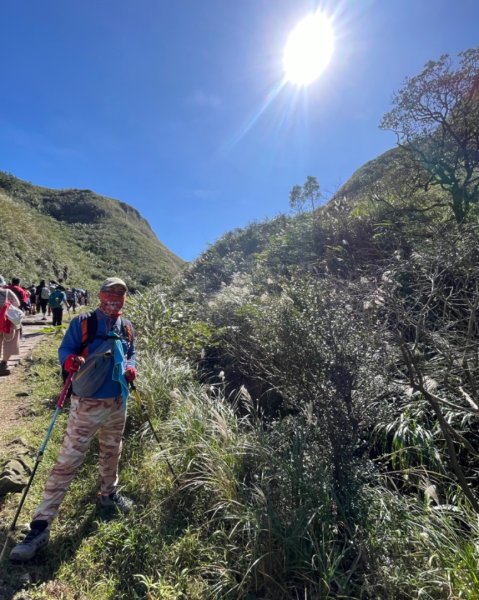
20	293
9	335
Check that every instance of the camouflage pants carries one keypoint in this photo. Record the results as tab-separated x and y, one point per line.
88	416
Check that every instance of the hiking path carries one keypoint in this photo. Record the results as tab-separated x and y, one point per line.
11	386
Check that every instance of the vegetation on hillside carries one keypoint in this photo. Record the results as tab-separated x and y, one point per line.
313	380
436	120
78	236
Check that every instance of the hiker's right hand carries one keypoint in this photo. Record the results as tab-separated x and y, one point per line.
73	362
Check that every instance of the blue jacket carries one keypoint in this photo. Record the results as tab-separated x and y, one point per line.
71	344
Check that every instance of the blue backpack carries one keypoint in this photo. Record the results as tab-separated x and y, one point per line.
56	298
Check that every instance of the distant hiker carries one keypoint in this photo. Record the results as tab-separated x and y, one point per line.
42	294
20	293
32	290
9	335
56	301
99	342
72	297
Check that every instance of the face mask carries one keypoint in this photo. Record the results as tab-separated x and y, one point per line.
111	304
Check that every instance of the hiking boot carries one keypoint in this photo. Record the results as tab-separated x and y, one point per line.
116	500
4	370
35	539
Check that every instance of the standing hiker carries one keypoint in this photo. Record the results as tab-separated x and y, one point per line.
102	343
43	293
9	335
72	298
56	301
32	290
20	293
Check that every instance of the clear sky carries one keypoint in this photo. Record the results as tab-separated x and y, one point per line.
177	107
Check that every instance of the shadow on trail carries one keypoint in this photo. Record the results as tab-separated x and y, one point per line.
42	568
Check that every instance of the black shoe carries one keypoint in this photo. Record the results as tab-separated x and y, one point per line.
4	370
116	500
35	539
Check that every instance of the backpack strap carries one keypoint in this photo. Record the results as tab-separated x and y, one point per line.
88	327
126	330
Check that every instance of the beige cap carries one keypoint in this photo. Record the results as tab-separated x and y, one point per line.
112	281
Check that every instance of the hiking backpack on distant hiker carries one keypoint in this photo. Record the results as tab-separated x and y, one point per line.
56	298
44	293
5	325
22	296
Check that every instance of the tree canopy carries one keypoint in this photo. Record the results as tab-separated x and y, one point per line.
308	193
435	117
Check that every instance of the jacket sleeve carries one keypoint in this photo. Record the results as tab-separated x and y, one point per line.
71	343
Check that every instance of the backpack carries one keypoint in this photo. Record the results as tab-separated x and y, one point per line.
89	326
45	293
5	325
92	374
22	296
55	299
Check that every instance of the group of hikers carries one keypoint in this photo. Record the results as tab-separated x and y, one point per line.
97	355
51	299
44	297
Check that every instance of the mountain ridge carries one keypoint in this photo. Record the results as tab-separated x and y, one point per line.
79	236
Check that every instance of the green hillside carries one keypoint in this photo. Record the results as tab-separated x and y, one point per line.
77	235
388	176
312	382
382	172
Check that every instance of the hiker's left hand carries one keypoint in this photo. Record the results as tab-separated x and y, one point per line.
130	374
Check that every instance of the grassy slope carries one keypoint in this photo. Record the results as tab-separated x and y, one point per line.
381	170
93	236
154	550
91	551
390	175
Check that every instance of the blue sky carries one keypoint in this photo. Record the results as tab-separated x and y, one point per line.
176	107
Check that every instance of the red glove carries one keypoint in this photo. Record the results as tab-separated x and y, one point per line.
130	374
73	362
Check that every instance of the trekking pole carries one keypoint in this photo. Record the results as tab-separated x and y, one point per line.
147	416
39	457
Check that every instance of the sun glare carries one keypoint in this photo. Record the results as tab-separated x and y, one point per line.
309	49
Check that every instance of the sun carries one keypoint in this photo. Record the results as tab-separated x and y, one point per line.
309	49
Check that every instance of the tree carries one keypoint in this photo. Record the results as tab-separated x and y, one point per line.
427	306
436	120
309	193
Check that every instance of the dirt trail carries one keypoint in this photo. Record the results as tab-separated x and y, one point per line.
12	387
31	335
